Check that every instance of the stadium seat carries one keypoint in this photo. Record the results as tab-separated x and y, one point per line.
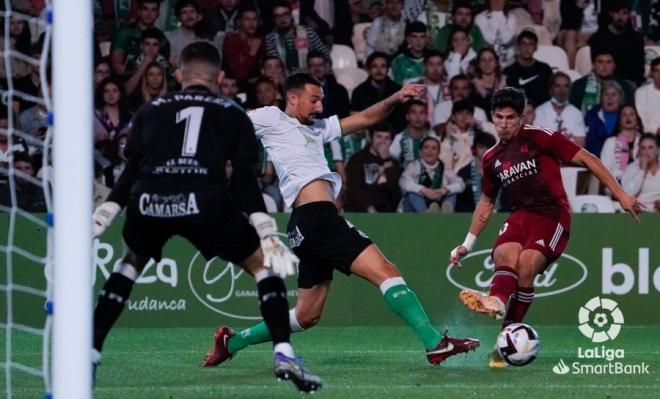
569	176
350	78
545	38
592	204
572	73
650	53
343	57
554	56
104	47
271	206
583	60
359	39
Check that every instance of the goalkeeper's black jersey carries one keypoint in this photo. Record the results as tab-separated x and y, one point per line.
181	142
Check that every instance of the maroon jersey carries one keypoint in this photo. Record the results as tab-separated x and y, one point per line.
528	167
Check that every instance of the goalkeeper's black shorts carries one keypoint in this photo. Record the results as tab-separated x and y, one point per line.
217	229
324	241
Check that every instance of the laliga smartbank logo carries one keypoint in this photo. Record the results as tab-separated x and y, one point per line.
600	320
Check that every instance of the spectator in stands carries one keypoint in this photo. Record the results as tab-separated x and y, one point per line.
602	119
427	184
435	79
352	143
433	13
101	71
31	84
558	113
409	63
188	14
125	47
152	84
405	146
527	73
620	150
647	100
472	174
111	115
627	45
20	40
150	43
373	175
456	150
335	96
272	67
579	20
499	28
18	144
29	196
377	87
224	16
244	48
121	160
229	88
651	21
488	78
641	177
586	91
459	89
387	32
291	42
460	55
266	92
461	18
529	113
34	119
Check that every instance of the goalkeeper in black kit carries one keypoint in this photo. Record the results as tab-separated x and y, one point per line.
175	184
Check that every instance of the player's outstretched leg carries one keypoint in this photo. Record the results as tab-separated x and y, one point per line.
373	266
112	299
504	283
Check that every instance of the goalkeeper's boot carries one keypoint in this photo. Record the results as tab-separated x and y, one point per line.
293	369
449	346
219	351
481	303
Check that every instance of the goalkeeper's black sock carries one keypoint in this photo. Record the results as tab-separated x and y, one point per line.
112	298
274	307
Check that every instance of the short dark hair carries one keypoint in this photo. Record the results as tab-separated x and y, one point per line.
617	5
20	156
244	9
141	2
181	4
645	136
484	140
429	138
201	52
432	53
265	79
509	97
377	54
282	3
601	50
655	62
382	127
151	33
297	81
315	54
460	76
415	102
528	34
461	4
462	105
415	27
272	57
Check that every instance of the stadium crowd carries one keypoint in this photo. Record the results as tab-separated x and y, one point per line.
590	69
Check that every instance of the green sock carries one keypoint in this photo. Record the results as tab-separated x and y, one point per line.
256	334
403	301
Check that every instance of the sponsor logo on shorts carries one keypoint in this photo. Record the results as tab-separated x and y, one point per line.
564	274
168	206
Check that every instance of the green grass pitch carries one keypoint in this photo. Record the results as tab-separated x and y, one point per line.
356	362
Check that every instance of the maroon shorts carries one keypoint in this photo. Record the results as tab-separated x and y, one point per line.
536	231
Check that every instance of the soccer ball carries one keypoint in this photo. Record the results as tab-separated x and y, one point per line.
518	344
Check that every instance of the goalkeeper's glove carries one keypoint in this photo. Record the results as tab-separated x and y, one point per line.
276	255
462	250
103	216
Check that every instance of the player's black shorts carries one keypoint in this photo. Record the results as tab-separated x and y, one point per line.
324	241
218	229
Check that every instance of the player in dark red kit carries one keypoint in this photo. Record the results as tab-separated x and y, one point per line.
526	162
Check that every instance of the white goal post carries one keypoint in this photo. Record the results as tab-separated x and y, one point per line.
72	156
